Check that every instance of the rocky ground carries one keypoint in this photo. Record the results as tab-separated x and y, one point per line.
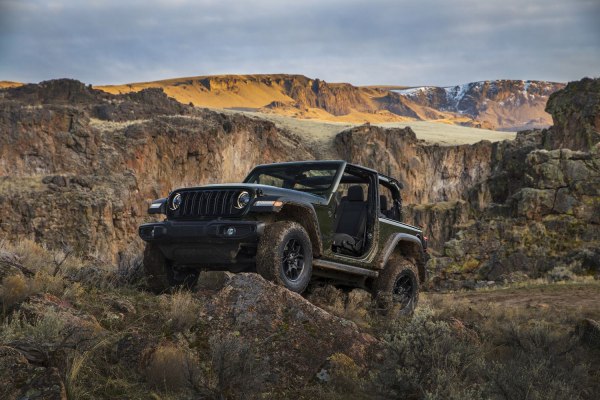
80	329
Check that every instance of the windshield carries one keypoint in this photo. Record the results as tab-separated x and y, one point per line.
315	179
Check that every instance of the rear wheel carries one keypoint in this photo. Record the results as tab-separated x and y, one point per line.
284	255
397	287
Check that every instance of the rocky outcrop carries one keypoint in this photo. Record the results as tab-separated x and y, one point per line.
538	211
284	325
430	173
20	379
243	337
552	221
576	115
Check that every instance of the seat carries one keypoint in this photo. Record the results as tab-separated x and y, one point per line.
351	222
383	206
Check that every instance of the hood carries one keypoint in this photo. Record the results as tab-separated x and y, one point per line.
285	195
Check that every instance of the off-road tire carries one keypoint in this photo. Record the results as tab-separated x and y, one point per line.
272	263
157	269
399	274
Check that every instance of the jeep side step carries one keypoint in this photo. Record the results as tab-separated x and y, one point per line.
349	269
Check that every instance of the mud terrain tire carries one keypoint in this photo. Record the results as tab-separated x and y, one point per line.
396	289
284	255
157	269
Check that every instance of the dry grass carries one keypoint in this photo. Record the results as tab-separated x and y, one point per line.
14	289
38	270
504	343
180	309
45	329
171	368
355	305
238	371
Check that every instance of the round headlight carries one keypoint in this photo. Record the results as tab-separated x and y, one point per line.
175	202
243	200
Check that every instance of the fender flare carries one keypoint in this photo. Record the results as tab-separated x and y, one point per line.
393	243
306	216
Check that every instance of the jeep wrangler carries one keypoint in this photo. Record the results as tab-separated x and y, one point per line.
292	222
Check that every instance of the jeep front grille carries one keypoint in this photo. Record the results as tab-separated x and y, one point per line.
207	203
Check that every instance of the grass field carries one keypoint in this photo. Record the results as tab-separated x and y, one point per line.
321	134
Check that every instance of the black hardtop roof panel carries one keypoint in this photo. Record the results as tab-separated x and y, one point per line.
363	168
335	163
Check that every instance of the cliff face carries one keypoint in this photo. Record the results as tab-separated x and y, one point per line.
489	196
430	173
80	166
502	104
542	213
576	115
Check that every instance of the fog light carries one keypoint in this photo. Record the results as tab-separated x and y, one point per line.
230	231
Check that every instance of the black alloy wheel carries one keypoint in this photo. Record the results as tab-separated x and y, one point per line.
293	260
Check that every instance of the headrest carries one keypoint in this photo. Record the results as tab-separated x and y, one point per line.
355	193
382	202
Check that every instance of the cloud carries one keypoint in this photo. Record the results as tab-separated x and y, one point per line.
363	42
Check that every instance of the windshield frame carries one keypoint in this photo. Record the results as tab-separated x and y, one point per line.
339	166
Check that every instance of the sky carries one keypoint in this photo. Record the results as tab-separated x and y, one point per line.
396	42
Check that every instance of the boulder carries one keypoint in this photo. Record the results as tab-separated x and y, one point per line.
21	380
282	326
588	331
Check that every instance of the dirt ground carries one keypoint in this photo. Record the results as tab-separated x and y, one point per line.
563	300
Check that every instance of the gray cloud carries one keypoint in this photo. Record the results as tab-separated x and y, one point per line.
363	42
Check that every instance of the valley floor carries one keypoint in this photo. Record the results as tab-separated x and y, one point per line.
539	299
321	134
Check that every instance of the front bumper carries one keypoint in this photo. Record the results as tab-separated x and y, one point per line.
205	243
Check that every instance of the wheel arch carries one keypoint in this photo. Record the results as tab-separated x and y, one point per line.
306	216
407	246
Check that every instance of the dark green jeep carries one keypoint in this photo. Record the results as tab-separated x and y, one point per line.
292	222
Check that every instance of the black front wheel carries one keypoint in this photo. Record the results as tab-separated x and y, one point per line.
285	255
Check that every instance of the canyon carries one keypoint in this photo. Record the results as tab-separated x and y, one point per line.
79	167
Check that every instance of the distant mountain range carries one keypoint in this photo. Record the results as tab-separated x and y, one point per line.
500	104
509	105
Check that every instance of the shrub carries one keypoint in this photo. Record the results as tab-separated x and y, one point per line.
560	273
45	329
534	361
14	289
181	310
236	369
345	374
32	255
130	270
171	368
355	305
426	358
44	282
